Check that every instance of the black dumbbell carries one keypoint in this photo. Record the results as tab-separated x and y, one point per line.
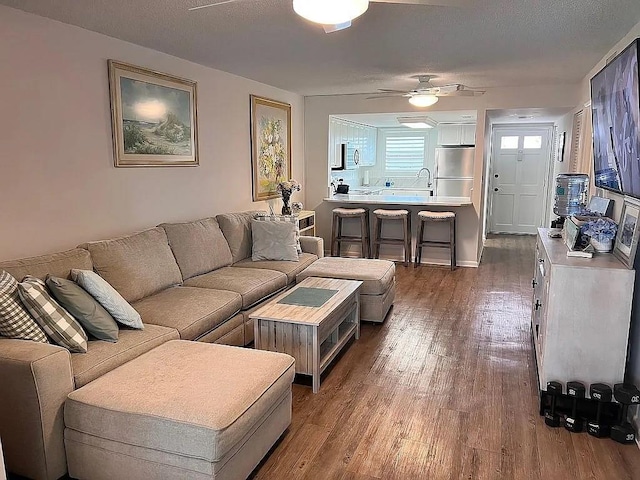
551	418
626	394
601	393
576	391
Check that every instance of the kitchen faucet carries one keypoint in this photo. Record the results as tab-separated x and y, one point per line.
428	178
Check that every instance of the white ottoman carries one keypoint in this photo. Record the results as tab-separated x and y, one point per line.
185	410
378	278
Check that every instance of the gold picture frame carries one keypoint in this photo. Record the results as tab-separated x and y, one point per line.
154	118
270	146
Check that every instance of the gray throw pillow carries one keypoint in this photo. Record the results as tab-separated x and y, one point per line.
15	321
57	323
108	297
274	241
265	217
91	315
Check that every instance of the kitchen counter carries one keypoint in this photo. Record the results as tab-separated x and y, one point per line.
386	199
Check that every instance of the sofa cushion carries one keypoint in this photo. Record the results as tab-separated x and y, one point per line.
57	264
290	269
377	276
273	241
15	320
252	284
236	228
108	297
84	308
199	246
102	357
57	323
190	399
191	311
137	265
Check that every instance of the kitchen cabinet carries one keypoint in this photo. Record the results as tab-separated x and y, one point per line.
456	134
580	316
357	137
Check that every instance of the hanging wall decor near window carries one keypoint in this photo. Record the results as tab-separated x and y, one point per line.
270	146
153	117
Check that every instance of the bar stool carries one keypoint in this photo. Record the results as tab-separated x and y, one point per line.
379	216
339	214
426	216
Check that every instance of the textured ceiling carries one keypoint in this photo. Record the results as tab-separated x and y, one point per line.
493	43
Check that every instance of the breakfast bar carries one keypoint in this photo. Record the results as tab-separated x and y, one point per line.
413	201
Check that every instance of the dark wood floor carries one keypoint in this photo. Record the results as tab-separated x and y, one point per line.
444	389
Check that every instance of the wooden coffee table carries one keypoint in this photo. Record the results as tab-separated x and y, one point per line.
312	322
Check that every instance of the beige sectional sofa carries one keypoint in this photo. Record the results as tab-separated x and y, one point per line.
189	281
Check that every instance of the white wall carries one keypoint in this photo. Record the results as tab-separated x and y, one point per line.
318	109
58	185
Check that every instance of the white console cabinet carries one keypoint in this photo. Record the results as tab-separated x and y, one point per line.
581	315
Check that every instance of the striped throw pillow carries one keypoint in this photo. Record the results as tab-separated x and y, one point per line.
15	321
63	329
265	217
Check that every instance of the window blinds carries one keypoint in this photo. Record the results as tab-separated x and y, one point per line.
404	153
576	141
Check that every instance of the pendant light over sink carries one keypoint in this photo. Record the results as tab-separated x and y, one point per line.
330	12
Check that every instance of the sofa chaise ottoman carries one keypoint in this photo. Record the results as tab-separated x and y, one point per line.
378	282
184	410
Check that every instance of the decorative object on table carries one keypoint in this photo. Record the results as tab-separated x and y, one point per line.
602	233
296	207
285	189
270	146
154	119
560	147
628	233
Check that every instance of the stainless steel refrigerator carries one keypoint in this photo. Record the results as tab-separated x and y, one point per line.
454	171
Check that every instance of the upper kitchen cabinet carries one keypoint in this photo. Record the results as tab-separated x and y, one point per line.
456	134
359	140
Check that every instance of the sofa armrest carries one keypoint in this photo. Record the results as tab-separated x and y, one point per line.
36	379
313	245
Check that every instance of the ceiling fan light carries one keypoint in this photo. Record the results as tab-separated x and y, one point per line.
330	12
423	100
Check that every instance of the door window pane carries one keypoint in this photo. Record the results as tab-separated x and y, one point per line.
509	143
533	142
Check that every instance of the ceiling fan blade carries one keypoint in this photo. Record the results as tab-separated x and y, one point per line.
463	93
376	97
222	2
337	27
387	90
438	3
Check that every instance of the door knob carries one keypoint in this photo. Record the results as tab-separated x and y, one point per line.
495	189
496	175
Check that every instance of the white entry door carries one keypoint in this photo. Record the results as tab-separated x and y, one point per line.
520	160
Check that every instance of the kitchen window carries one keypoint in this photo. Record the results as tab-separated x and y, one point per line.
404	152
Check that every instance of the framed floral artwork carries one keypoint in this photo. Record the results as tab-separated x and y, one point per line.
270	146
153	116
628	233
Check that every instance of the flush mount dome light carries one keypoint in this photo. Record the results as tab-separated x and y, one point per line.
330	12
423	100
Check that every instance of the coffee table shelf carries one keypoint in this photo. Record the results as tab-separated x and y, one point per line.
314	336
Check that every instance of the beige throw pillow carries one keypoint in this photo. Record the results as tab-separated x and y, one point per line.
274	241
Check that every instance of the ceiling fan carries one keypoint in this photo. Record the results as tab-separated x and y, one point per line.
336	15
426	93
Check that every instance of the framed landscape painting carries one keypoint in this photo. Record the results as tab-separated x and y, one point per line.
270	146
154	118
